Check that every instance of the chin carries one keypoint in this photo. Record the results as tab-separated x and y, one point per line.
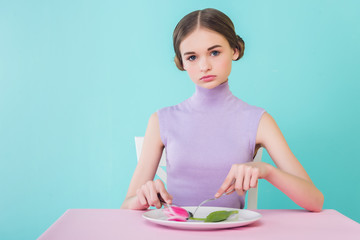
210	85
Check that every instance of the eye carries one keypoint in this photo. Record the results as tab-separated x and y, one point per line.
191	58
215	53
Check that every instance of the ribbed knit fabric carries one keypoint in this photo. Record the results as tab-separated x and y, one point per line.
203	136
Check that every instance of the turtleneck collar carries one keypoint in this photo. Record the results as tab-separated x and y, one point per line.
204	98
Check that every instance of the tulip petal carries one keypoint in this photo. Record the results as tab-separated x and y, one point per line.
177	219
175	213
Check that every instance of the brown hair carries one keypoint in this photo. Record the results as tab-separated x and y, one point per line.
211	19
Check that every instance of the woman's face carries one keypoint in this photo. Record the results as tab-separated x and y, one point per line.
207	57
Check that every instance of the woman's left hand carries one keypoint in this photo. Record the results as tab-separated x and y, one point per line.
242	177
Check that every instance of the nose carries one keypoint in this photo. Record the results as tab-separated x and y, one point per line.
205	65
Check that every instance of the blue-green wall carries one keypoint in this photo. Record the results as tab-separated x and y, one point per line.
79	79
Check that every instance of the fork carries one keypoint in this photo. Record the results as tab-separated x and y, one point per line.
162	201
211	199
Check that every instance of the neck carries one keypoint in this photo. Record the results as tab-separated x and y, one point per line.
211	98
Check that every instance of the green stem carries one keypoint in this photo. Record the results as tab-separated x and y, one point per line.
197	219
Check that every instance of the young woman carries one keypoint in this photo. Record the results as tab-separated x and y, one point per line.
211	138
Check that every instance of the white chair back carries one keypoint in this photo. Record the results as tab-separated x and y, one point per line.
161	173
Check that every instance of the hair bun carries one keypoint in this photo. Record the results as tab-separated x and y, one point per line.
241	46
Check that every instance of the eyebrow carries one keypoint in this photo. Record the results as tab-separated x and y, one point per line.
209	49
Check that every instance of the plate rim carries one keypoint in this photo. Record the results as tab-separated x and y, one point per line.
204	225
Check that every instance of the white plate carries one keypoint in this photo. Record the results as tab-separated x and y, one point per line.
244	217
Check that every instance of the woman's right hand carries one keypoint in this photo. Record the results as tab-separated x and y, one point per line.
150	193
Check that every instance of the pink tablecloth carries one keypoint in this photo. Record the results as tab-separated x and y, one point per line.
129	224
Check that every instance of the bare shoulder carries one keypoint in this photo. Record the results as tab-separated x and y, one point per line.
153	130
267	128
154	121
267	119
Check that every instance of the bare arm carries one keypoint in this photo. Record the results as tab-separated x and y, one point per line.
290	177
143	190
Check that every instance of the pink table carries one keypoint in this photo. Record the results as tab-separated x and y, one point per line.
128	224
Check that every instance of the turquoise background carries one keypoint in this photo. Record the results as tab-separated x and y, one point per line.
80	79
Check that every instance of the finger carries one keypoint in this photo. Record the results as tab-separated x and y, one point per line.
146	194
141	197
227	182
254	178
154	199
247	177
240	180
231	189
160	187
238	187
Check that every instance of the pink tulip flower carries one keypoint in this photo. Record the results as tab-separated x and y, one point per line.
176	213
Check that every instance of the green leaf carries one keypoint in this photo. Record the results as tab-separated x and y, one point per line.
219	216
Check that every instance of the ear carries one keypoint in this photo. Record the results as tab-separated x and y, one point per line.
235	54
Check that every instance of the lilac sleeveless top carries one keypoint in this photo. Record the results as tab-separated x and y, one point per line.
203	136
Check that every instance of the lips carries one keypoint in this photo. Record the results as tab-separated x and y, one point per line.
208	78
